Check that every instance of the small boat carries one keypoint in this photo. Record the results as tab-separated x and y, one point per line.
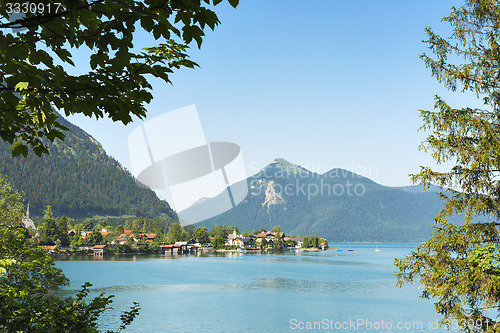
243	251
376	248
339	250
349	248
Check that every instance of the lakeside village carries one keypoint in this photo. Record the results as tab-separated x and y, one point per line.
143	235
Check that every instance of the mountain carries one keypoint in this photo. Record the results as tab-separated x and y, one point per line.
79	179
338	205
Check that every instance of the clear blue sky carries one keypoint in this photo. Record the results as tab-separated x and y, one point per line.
321	83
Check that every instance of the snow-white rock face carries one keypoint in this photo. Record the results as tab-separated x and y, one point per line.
272	197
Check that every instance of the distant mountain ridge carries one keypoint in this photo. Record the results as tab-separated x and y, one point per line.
338	205
79	179
418	188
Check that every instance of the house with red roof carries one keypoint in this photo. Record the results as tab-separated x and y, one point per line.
51	248
150	237
269	235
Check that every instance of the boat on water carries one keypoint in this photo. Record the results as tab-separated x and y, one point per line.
376	248
349	248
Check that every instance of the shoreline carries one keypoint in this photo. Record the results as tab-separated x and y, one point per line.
201	250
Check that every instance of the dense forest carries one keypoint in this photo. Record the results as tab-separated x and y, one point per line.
78	179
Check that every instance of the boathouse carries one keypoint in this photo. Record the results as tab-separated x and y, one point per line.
100	250
179	248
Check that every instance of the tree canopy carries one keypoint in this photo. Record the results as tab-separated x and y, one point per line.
202	235
459	266
176	233
36	50
29	282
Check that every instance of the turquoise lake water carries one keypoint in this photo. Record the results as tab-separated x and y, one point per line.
326	291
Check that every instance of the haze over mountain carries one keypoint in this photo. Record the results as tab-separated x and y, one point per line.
338	205
79	179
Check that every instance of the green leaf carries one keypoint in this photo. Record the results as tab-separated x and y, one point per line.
234	3
21	86
44	57
111	87
147	23
18	148
64	55
4	263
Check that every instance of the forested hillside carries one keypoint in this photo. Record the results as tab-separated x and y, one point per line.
338	205
79	179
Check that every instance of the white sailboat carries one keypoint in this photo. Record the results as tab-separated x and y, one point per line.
376	248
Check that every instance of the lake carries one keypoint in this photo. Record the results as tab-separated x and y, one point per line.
289	292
